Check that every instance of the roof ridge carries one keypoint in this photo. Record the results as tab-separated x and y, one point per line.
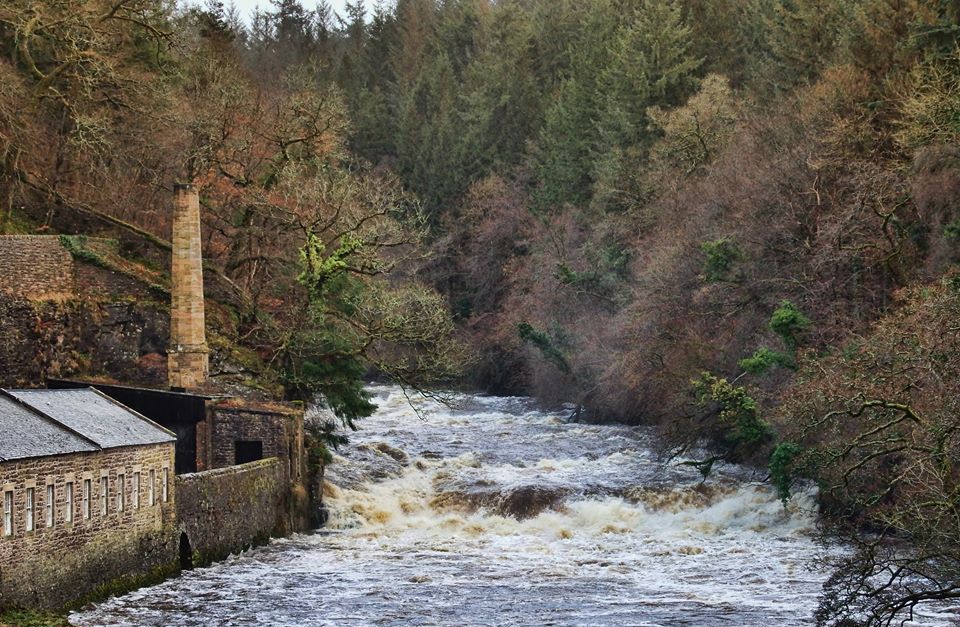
9	395
131	410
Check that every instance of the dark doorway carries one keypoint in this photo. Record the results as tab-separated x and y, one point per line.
185	456
186	552
247	451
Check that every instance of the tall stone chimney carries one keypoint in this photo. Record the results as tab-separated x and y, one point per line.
187	356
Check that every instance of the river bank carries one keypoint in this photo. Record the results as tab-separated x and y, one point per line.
31	618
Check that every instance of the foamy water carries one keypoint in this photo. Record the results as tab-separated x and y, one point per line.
492	512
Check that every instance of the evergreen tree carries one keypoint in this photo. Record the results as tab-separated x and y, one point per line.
415	20
564	156
802	37
500	101
427	132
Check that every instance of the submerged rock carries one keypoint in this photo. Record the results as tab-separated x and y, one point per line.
519	502
529	501
390	451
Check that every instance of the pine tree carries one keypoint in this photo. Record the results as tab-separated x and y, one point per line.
427	131
803	37
651	65
564	156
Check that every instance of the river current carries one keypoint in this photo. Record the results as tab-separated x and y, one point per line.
490	511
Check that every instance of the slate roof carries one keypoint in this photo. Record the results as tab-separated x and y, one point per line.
25	433
35	423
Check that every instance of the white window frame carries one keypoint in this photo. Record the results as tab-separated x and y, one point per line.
68	502
104	495
48	505
135	494
8	513
121	492
29	511
152	489
87	495
164	486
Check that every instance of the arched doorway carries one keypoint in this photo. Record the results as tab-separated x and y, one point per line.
186	552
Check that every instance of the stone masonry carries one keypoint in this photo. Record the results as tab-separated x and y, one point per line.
71	559
187	357
280	432
227	510
35	267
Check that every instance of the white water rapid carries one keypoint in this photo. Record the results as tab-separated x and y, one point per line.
496	513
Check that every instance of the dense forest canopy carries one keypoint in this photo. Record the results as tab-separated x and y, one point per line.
737	219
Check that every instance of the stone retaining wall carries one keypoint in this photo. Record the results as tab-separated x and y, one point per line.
76	338
228	510
36	267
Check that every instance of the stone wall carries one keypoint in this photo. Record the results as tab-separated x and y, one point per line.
75	338
68	561
61	316
280	430
108	317
36	267
138	244
228	510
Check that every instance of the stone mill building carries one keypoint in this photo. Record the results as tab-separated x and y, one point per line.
87	486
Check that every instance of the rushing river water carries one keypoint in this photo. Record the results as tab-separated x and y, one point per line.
492	512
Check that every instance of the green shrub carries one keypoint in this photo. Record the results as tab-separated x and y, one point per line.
610	267
781	468
787	322
720	255
764	359
738	414
547	347
321	439
76	245
952	230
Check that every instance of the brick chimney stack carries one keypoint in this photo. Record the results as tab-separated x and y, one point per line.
187	356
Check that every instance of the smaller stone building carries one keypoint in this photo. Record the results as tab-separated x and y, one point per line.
239	433
214	431
87	496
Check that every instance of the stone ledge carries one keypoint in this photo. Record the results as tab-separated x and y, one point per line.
231	470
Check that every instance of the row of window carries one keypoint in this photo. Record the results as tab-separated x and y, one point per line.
86	498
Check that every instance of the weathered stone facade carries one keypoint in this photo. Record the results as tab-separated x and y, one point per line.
227	428
71	559
187	357
35	267
228	510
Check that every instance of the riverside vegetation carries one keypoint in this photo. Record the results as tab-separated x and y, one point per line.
738	220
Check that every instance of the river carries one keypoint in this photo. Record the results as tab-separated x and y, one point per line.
492	512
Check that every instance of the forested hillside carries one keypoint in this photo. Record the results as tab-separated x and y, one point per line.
105	104
736	219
